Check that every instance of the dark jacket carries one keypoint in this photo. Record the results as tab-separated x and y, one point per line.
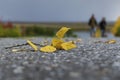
92	22
102	25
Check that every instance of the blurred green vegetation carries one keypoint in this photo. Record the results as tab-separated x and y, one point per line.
118	32
10	32
24	29
45	31
30	31
39	31
116	28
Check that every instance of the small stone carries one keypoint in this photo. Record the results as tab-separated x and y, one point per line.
18	70
74	74
25	63
48	68
14	66
48	78
43	56
116	64
14	50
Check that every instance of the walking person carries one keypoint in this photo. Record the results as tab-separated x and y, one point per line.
93	25
102	26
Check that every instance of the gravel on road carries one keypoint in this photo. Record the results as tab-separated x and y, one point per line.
93	59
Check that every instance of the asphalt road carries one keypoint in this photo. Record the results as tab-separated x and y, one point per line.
93	59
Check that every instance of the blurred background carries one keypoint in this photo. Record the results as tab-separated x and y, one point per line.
23	18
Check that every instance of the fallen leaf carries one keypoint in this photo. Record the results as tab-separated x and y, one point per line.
68	45
32	45
111	41
56	42
48	49
62	32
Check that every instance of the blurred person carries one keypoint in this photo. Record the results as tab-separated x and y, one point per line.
102	26
93	25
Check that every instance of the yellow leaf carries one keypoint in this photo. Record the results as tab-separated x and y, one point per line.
98	33
68	45
48	49
57	43
32	45
62	32
111	41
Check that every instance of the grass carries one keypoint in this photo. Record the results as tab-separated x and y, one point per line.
76	26
45	29
10	32
31	31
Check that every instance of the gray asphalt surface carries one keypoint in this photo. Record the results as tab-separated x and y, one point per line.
91	60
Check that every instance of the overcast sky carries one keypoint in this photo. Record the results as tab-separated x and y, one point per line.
58	10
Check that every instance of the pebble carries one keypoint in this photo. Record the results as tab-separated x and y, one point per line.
74	74
18	70
116	64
